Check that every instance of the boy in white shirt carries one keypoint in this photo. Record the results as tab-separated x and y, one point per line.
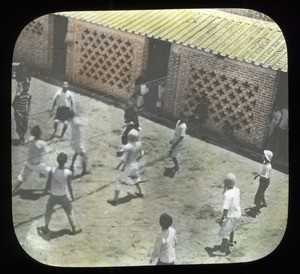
231	213
64	100
60	186
132	152
77	143
264	179
177	141
35	162
165	244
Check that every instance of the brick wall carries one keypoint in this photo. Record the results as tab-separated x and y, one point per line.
108	61
240	95
35	44
104	60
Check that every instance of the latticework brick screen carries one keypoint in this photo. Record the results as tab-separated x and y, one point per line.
230	100
106	58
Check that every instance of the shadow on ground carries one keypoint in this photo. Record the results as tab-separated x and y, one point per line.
252	211
15	142
169	172
124	200
30	194
54	234
215	251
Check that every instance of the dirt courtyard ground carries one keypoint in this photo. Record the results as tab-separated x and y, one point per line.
124	235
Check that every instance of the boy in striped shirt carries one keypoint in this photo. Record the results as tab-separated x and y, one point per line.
21	106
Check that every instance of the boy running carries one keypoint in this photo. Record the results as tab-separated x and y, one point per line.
264	179
77	139
36	150
132	152
59	187
177	141
131	120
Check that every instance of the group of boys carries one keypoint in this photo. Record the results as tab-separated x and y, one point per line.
59	178
58	183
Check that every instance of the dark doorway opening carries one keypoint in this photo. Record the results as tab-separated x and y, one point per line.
158	60
282	92
59	47
278	133
157	69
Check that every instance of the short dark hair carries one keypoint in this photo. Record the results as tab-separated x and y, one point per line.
36	131
165	221
62	158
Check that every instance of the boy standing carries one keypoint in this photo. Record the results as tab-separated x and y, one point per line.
264	179
132	152
231	213
64	100
23	74
21	106
77	143
36	150
59	187
177	141
165	244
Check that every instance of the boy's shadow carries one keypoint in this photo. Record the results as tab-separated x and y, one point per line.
54	234
15	142
252	211
210	251
169	172
125	199
30	194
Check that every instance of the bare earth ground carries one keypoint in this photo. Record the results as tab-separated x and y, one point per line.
124	235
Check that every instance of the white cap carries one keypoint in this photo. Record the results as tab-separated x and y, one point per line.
133	135
268	154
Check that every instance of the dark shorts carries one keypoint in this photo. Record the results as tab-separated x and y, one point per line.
63	201
62	114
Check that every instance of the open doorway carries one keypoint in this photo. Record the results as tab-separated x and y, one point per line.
158	60
157	69
59	47
278	131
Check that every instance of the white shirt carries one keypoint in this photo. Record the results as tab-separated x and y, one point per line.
164	248
284	119
76	132
274	122
59	183
36	150
144	89
161	92
232	203
64	98
131	151
266	169
180	130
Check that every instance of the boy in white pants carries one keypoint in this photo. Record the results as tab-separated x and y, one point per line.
132	152
231	214
177	141
77	143
36	150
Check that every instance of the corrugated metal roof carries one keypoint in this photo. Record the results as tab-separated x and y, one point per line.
245	39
